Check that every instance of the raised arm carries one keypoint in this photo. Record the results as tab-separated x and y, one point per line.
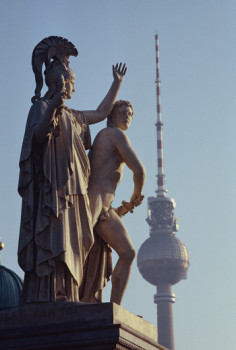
107	103
131	159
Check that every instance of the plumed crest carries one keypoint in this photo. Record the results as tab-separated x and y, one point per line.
52	47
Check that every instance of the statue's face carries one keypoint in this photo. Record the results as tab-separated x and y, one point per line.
122	117
69	88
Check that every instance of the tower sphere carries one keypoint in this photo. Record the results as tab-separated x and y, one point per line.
163	258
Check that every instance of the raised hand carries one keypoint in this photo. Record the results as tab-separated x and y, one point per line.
119	71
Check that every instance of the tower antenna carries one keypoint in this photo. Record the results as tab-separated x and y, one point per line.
161	191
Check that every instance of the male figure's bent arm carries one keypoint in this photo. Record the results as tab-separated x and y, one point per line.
131	159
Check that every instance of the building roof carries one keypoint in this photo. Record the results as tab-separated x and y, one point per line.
10	288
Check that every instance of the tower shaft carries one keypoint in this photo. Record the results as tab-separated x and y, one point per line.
164	300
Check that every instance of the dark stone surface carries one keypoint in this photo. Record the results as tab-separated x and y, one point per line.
75	326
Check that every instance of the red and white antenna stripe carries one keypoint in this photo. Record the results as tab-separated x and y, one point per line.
160	172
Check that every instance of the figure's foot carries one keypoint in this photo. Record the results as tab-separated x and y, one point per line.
60	297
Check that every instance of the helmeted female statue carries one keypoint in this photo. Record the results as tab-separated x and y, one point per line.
56	232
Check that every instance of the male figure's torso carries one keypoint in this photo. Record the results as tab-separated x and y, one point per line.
106	165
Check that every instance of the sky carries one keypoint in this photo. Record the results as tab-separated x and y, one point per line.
198	84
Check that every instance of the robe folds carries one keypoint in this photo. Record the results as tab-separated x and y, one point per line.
56	232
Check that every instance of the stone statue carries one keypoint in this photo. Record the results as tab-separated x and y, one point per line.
110	151
56	230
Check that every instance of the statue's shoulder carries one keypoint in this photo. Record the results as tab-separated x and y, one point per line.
106	132
36	112
117	133
39	106
85	130
112	134
81	119
112	130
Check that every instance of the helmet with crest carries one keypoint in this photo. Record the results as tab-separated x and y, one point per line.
54	52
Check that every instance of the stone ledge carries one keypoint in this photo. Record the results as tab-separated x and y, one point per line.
75	326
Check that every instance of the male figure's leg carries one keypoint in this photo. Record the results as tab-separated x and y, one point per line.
113	231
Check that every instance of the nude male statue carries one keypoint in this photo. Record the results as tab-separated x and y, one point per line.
110	151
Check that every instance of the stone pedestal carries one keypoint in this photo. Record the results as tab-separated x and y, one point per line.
75	326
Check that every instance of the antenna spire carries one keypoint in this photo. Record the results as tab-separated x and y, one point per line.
160	167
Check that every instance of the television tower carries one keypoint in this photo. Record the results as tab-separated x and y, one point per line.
162	259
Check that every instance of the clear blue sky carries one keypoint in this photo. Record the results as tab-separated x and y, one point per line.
197	67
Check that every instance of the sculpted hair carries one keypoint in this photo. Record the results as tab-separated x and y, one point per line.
118	104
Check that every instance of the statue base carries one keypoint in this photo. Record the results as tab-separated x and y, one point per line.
75	326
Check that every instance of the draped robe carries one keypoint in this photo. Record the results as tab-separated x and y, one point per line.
56	229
